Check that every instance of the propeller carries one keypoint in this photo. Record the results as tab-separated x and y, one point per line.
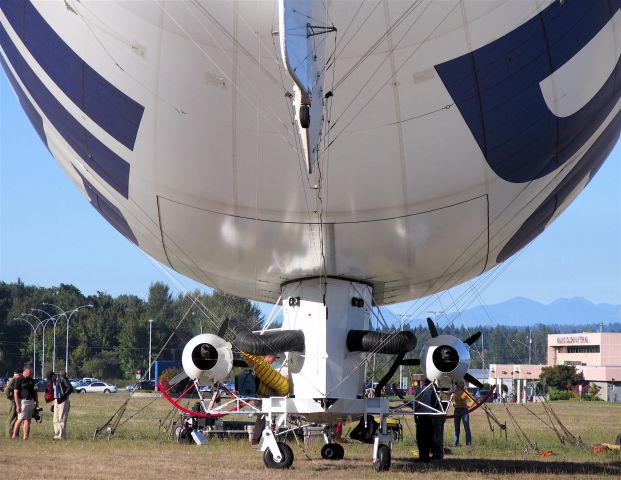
469	378
473	338
432	328
469	341
223	327
177	378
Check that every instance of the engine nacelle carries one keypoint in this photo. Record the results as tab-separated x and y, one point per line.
207	358
445	357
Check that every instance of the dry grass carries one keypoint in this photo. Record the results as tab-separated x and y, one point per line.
139	450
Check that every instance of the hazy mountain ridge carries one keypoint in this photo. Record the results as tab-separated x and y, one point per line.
521	312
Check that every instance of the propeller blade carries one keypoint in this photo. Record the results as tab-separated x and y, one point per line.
470	340
470	379
223	327
177	378
432	327
238	362
410	361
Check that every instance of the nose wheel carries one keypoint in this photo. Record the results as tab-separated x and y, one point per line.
382	462
286	457
332	451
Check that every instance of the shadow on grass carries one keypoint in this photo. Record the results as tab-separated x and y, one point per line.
483	465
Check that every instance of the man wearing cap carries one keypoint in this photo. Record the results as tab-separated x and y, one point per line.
25	394
8	392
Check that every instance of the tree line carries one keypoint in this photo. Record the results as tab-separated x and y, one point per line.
110	339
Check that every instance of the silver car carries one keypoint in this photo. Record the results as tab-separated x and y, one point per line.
97	387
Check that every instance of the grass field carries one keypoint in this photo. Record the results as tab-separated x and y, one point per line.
139	450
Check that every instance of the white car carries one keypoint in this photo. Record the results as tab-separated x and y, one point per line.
97	387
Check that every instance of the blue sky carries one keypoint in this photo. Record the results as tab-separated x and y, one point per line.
50	234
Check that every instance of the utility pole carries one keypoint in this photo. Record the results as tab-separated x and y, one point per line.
401	366
482	352
150	329
530	344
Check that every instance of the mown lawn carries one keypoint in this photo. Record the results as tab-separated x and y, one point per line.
140	449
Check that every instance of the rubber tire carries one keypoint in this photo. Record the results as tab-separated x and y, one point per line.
304	116
82	391
106	391
287	460
332	451
382	464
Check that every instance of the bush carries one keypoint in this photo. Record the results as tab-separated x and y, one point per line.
560	394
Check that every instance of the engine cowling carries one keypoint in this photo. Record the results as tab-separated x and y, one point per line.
445	357
207	358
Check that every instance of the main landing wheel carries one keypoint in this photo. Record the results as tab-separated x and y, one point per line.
382	464
287	457
332	451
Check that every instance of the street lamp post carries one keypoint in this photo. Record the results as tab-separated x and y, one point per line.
150	329
68	319
34	342
43	325
54	319
527	345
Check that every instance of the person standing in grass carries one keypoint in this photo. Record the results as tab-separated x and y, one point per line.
424	429
62	390
461	401
25	395
8	391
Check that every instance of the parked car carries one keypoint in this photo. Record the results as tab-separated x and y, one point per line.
230	385
483	394
41	384
90	379
144	385
74	382
97	387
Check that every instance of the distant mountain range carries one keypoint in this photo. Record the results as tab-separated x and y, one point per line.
518	312
521	312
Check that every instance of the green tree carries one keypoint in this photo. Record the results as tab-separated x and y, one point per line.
103	365
561	376
133	331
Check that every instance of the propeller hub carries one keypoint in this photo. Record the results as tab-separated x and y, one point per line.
445	358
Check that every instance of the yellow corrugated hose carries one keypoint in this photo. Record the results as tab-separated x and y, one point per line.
271	383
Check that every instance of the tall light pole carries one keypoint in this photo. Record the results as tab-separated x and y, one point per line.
54	319
34	341
527	345
530	344
402	318
68	319
43	325
150	329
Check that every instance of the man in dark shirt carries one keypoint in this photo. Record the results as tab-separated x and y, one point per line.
12	417
62	390
25	394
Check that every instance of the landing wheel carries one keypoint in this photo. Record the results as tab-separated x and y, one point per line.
332	451
287	457
382	464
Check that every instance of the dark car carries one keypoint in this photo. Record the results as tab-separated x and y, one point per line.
145	385
483	395
41	384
